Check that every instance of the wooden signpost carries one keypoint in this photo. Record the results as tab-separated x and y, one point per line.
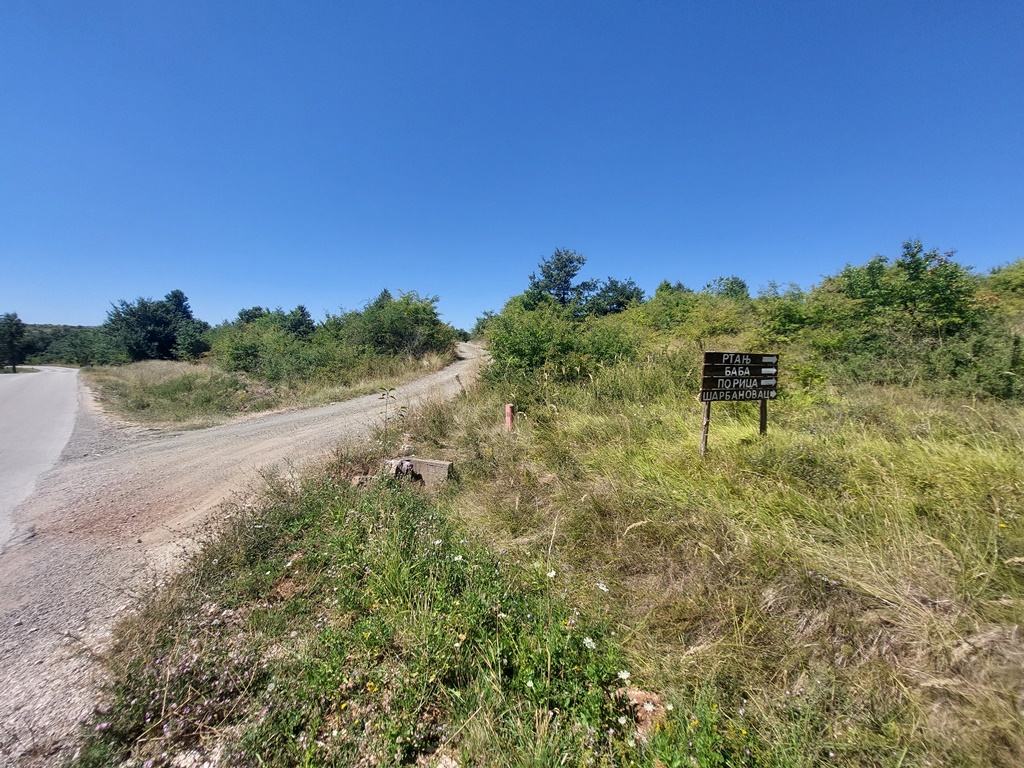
732	377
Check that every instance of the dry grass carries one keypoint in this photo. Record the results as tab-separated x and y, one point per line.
846	591
854	578
165	393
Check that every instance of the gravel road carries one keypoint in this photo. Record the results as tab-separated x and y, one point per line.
103	524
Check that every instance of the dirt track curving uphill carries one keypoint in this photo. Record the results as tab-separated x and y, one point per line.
103	524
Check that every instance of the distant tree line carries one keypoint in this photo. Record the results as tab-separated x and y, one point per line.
144	329
271	344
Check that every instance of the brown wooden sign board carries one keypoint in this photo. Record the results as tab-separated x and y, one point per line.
737	377
737	395
738	382
739	358
740	370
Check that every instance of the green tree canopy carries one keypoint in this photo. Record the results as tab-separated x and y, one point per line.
251	314
613	296
557	283
730	287
156	330
927	293
557	273
409	325
12	340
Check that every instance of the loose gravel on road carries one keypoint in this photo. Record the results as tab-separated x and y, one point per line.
103	526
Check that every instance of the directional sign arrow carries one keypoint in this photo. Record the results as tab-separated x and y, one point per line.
739	358
767	382
769	370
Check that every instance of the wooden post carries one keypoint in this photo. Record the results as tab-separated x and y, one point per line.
764	417
704	429
508	417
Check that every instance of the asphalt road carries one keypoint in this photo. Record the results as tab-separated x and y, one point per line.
37	415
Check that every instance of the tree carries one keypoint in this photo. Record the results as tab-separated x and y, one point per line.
730	287
934	290
926	294
557	273
666	288
782	312
480	326
613	296
251	314
299	323
408	326
156	330
12	336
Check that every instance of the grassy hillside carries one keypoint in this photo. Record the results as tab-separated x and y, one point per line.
843	591
846	590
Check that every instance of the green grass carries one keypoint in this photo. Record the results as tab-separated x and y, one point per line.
163	392
334	627
844	591
194	395
852	581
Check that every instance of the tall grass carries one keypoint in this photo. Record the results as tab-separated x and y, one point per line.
332	626
844	591
170	393
852	581
163	392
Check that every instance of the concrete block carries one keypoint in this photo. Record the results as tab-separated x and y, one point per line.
432	473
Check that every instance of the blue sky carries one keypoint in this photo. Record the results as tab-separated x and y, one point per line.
284	153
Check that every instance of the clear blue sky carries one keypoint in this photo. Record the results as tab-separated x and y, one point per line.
284	153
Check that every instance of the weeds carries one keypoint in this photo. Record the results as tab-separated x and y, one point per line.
332	626
191	395
846	591
865	554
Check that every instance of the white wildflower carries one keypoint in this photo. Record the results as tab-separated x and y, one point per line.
551	574
589	643
623	674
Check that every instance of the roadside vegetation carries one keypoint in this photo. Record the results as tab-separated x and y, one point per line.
847	590
154	362
167	393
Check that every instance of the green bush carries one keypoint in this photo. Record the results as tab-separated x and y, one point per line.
289	347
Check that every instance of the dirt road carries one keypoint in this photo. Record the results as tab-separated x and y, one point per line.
103	524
